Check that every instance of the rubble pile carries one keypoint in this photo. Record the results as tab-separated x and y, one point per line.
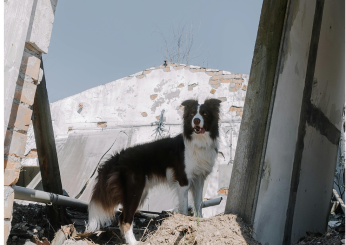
28	220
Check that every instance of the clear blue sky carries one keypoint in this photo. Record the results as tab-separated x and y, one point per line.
96	42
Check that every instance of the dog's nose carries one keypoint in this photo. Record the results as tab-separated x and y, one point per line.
196	121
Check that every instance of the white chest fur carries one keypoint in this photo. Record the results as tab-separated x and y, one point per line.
200	155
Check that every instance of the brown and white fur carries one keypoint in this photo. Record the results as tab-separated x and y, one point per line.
182	162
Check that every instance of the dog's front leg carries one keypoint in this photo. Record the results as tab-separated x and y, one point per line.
197	192
183	196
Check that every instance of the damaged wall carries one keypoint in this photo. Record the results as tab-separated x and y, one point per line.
135	103
27	32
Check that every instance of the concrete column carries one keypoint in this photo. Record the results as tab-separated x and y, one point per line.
283	186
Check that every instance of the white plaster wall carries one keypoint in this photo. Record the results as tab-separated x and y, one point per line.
41	25
121	103
270	216
319	156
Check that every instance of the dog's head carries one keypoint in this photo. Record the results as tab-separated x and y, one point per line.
199	119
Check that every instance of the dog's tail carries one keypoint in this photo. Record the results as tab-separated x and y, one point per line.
107	195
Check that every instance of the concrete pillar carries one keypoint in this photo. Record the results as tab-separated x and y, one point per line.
283	174
28	27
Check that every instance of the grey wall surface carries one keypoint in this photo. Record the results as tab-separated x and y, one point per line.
296	173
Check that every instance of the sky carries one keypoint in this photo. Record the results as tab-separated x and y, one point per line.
97	42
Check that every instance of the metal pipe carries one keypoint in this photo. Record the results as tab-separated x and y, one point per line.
212	202
23	193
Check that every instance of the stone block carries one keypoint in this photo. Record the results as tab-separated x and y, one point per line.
244	87
234	89
15	143
211	73
32	153
167	69
181	85
178	67
237	80
140	76
201	70
193	70
25	92
11	176
219	73
20	117
223	191
216	77
144	114
146	72
212	91
153	96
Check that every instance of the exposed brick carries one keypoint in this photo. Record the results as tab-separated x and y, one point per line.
236	80
144	114
215	85
102	124
191	86
187	67
11	165
181	85
244	87
69	128
11	176
80	105
193	70
20	117
211	73
234	90
216	77
167	69
14	143
237	85
181	107
25	92
234	108
219	73
223	191
201	70
214	81
7	228
225	80
140	76
8	204
31	66
32	153
241	113
146	72
153	96
212	91
178	67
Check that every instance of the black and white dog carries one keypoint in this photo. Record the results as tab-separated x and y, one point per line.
183	162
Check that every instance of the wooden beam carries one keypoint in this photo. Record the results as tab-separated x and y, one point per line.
46	150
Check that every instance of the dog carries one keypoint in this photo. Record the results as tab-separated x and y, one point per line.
182	162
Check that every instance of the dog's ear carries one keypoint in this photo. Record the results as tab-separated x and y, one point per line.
188	103
213	102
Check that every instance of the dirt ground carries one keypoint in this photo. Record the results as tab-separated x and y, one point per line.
29	221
